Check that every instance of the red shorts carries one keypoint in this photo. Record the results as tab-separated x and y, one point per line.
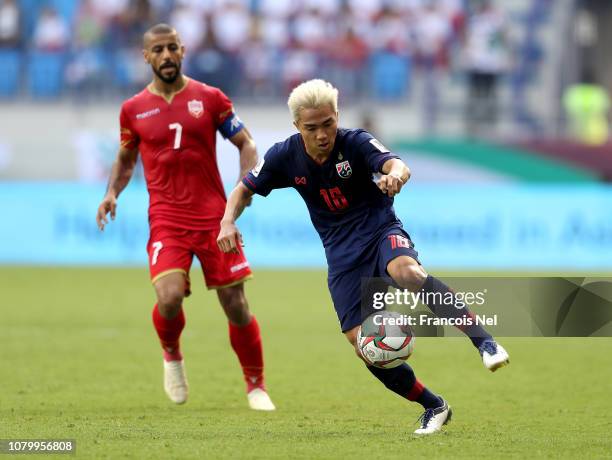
172	250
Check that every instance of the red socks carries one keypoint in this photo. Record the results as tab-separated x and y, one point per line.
416	391
246	342
169	332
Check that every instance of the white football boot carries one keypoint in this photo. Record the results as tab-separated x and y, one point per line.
493	355
259	400
432	420
175	381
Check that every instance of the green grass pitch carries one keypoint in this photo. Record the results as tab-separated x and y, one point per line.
79	359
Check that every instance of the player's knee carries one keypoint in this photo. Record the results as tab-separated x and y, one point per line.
235	305
169	301
351	336
232	298
409	276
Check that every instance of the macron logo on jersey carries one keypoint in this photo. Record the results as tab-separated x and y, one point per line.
240	266
148	113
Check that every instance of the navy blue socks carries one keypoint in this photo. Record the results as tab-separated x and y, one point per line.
402	381
442	309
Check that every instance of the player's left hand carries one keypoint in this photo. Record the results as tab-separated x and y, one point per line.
390	184
229	238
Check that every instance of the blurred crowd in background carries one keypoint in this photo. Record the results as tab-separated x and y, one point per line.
250	48
448	56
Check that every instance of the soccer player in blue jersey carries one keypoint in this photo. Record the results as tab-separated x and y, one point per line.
333	169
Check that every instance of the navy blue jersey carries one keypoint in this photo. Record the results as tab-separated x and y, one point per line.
346	207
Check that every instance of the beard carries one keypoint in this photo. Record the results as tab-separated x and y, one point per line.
173	77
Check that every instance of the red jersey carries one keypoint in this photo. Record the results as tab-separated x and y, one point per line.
177	143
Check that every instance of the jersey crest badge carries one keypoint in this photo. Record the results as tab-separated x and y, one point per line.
344	169
196	108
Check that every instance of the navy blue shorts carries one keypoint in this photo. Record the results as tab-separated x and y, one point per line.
346	287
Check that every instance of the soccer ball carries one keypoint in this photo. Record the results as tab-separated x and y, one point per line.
384	341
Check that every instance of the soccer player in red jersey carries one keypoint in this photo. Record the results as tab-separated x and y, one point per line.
173	124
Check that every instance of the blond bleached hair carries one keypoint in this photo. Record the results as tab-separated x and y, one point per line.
312	94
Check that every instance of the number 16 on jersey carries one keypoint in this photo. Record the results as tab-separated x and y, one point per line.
334	199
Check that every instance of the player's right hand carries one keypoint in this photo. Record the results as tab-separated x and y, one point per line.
390	184
108	205
229	238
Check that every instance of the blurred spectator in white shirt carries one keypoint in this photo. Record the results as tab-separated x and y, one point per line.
190	24
274	31
109	9
391	32
10	30
487	57
451	7
273	22
259	62
368	9
281	9
455	11
311	29
360	21
300	64
486	45
432	31
51	32
231	26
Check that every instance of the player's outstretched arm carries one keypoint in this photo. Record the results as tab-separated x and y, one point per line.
248	151
395	175
121	172
229	236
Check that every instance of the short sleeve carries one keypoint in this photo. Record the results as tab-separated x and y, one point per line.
373	151
226	120
128	137
267	175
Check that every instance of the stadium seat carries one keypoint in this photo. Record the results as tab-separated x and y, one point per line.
390	74
66	8
30	8
45	74
10	66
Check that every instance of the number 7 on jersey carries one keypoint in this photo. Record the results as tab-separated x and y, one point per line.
177	135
